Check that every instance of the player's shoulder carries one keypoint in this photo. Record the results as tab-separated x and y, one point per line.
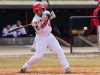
35	18
14	25
4	28
46	12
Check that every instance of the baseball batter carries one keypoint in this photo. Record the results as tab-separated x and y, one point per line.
45	6
5	32
44	38
20	32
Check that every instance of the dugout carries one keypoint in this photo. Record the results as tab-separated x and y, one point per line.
11	11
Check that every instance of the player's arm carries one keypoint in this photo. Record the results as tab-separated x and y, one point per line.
4	31
53	15
35	25
95	20
46	15
38	29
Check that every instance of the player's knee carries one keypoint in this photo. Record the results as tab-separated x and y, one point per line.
59	51
39	56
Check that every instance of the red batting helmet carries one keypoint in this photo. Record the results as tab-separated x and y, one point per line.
45	5
98	1
37	6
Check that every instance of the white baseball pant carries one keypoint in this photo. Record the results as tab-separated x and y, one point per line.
34	45
41	44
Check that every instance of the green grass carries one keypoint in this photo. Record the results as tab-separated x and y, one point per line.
84	61
79	61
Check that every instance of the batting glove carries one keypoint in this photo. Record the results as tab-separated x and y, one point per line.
53	14
35	23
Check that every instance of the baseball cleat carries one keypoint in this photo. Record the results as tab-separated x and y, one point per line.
22	70
33	50
68	70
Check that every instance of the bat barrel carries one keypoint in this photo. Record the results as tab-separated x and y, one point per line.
17	28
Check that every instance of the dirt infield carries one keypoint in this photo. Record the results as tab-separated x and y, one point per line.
51	70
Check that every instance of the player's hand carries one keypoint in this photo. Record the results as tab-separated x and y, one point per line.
53	14
35	23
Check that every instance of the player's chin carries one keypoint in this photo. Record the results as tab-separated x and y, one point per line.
41	12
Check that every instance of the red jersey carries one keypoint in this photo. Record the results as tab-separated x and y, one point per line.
95	20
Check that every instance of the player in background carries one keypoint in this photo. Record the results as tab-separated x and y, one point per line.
5	32
97	21
44	38
21	32
45	6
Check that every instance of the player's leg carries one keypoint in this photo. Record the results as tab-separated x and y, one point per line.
33	48
41	45
54	46
99	36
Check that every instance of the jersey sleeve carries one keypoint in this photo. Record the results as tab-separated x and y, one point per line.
34	20
45	13
13	26
39	25
4	32
95	20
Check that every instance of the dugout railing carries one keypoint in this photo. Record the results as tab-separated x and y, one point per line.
71	24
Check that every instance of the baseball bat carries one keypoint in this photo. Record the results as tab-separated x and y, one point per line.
17	28
53	14
49	5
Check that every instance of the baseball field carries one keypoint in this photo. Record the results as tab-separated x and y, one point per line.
50	65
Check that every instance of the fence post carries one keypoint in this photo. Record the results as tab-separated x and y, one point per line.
71	40
71	23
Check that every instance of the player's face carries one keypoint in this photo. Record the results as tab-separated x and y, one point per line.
8	27
18	23
39	12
